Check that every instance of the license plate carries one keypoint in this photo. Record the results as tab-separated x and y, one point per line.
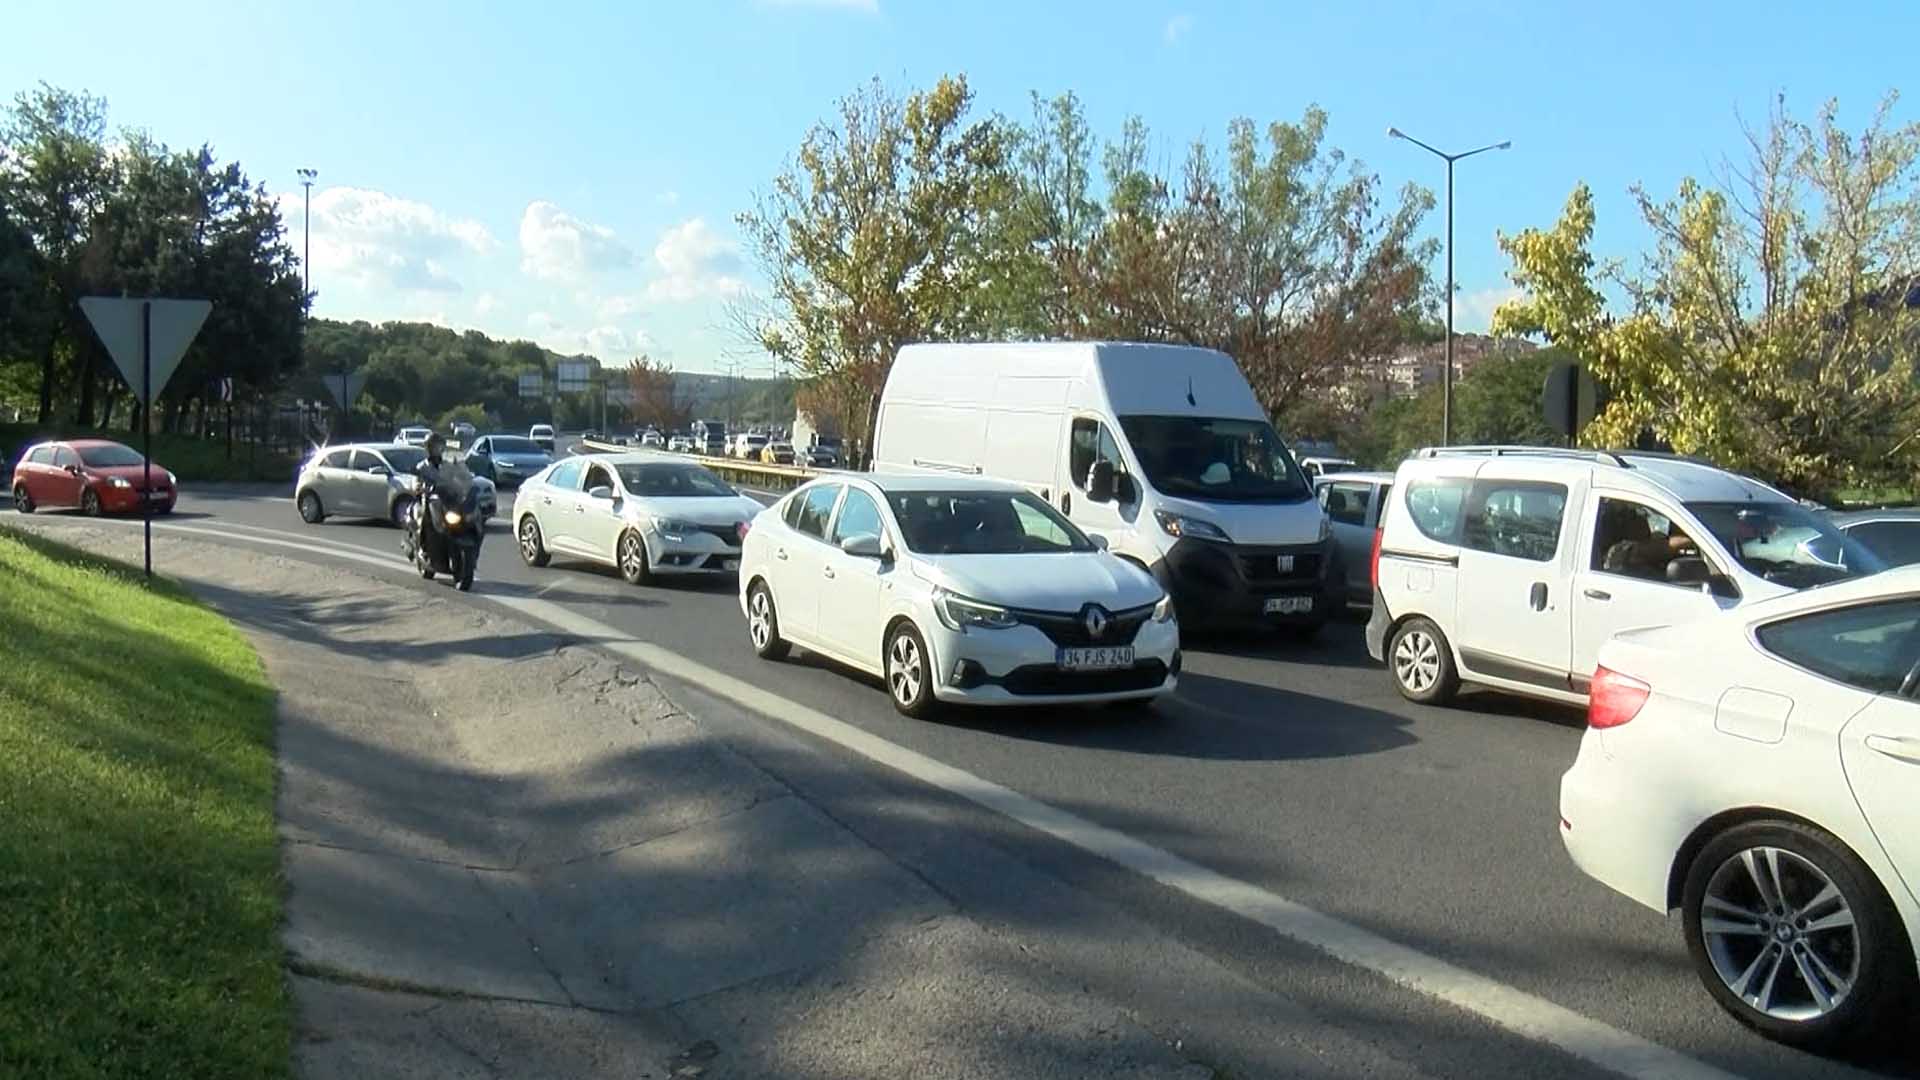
1289	605
732	564
1105	658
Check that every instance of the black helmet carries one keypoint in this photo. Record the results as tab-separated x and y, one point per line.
436	444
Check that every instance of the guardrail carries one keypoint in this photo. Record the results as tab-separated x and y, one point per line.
746	473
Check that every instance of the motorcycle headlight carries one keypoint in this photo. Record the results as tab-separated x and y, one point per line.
1179	525
1163	611
959	613
454	517
115	481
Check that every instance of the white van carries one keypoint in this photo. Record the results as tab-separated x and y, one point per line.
1162	451
1510	566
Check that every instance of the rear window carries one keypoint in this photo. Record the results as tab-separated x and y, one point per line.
41	455
1435	506
1871	647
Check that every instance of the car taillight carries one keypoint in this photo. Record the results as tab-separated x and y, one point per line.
1614	699
1374	566
745	528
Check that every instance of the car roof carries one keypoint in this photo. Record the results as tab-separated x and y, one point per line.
639	457
928	481
1860	517
79	444
1358	477
1686	480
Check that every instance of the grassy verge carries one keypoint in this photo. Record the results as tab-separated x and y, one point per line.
202	461
139	870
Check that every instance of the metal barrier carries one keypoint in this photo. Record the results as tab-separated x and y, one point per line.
745	473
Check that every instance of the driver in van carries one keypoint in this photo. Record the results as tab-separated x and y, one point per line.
1637	549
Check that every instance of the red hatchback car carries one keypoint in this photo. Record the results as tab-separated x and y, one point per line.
93	475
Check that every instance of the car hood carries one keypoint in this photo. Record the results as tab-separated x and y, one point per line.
523	461
711	510
1254	523
132	474
1061	582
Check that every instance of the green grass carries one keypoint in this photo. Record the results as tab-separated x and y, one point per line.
201	461
140	889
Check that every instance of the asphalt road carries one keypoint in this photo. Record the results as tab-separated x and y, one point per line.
1294	768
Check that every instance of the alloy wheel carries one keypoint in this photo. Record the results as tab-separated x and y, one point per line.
633	558
1416	661
760	618
529	540
905	669
1780	934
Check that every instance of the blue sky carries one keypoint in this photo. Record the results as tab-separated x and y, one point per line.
569	172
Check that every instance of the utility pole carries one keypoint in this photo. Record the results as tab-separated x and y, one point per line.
1446	374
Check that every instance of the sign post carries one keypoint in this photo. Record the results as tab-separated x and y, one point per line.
1569	400
146	338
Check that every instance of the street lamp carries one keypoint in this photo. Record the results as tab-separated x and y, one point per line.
1446	374
306	228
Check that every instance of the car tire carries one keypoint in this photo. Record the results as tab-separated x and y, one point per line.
1421	663
630	555
311	511
1797	864
22	500
398	514
90	502
533	546
909	672
763	624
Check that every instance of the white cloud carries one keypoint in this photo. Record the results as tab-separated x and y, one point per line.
555	244
695	262
379	240
1474	311
611	344
1178	27
485	304
870	7
615	306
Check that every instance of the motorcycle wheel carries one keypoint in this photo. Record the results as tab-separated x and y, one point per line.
420	563
463	570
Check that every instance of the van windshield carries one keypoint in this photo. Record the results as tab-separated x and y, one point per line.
1786	543
1215	459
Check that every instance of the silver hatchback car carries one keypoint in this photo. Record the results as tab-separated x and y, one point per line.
366	480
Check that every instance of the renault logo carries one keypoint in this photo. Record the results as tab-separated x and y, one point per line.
1095	619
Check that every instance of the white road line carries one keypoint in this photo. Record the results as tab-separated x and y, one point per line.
1524	1014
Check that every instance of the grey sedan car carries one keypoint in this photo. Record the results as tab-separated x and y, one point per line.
1893	535
506	459
365	480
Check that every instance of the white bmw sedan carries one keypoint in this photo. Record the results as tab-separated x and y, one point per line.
1757	771
955	590
646	514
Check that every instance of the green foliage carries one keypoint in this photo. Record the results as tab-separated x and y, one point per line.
1497	402
477	415
1774	326
140	865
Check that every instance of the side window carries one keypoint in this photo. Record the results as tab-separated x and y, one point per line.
1637	541
1896	542
816	509
364	460
483	447
339	459
858	514
1347	503
566	475
63	457
1435	506
1091	442
1517	519
42	455
791	514
1871	646
597	476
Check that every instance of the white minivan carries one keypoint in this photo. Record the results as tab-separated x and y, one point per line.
1510	566
1160	450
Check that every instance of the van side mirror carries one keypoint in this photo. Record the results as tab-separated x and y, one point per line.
1099	542
1100	486
1124	489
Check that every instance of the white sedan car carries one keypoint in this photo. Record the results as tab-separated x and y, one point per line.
1757	771
646	514
955	590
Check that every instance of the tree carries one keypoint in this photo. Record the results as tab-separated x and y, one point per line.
878	235
1498	402
1774	325
657	398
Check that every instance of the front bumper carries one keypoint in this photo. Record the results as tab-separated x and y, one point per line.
118	500
1216	584
693	554
1019	666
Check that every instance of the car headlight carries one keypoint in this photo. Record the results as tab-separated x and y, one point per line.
1163	611
958	613
172	480
673	530
115	481
1326	528
1179	525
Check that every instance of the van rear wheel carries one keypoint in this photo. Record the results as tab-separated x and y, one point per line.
1422	663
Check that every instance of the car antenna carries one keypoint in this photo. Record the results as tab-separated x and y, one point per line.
1190	400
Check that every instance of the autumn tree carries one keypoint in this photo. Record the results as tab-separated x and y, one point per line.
1773	326
657	398
875	236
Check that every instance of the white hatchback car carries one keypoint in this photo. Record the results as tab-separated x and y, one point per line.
1757	771
955	590
646	514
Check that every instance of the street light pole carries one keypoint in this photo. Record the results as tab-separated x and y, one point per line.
1446	373
306	227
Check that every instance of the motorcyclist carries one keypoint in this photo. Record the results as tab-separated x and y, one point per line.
429	473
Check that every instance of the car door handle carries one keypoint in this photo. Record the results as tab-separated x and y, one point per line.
1537	597
826	571
781	554
1903	749
544	499
1597	594
1066	503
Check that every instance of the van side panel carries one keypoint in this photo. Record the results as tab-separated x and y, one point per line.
1024	447
918	436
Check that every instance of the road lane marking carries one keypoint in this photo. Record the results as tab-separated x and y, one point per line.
1529	1016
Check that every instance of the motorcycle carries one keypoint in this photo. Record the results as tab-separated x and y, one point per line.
444	528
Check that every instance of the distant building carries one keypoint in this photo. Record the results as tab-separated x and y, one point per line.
1413	370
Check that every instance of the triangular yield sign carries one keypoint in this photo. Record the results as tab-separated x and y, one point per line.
173	326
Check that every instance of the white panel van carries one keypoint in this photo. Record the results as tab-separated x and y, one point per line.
1160	450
